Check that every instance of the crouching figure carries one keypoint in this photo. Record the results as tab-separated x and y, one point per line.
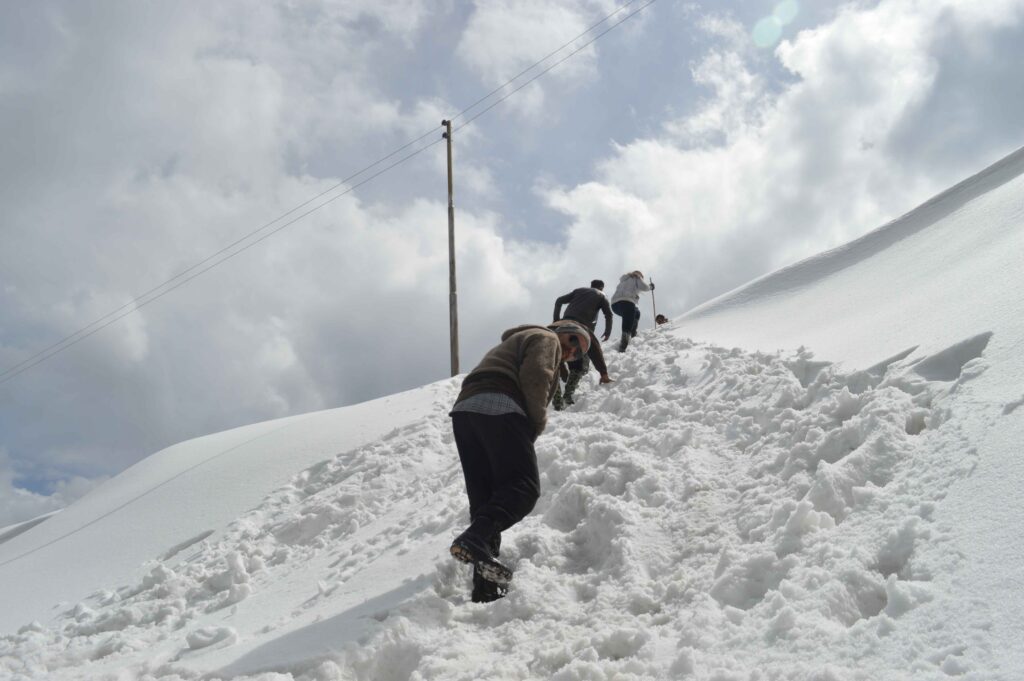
497	417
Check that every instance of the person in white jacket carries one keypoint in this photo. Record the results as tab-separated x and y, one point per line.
625	303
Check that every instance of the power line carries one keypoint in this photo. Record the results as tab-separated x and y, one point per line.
88	330
179	275
563	59
542	60
124	313
194	270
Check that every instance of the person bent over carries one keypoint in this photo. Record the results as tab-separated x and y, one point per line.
499	413
583	306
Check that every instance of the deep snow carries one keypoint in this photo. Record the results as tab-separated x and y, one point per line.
733	507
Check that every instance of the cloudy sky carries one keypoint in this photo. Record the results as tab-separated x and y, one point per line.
705	143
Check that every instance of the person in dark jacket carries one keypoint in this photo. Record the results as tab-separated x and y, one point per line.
499	413
583	305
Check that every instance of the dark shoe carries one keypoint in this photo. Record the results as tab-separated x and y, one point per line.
476	546
624	342
486	591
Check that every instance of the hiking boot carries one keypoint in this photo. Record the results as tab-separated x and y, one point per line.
477	546
486	591
624	342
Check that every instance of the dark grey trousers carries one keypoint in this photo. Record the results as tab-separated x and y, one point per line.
499	464
630	314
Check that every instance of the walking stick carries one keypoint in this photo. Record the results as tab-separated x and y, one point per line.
654	307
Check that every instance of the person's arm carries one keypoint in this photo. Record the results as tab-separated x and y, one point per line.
562	300
642	285
607	310
537	373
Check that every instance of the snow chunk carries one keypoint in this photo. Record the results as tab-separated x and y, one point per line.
205	637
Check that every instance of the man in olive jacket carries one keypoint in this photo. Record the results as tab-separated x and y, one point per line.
497	416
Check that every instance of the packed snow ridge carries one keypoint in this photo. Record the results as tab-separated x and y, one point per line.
716	514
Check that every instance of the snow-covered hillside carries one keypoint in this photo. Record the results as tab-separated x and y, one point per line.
733	507
174	499
945	281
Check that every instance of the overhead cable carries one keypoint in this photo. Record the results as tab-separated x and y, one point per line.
563	59
541	60
215	259
142	301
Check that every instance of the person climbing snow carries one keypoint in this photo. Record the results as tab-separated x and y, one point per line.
583	305
625	303
499	413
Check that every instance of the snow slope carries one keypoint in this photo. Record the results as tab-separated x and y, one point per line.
12	531
176	498
945	281
726	510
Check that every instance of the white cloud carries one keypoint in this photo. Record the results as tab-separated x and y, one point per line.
504	37
150	137
738	96
18	504
759	176
733	35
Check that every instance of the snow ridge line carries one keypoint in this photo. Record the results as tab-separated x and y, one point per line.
830	262
291	423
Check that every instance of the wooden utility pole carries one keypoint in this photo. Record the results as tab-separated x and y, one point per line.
453	296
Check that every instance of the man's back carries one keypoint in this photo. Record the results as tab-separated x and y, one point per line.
584	304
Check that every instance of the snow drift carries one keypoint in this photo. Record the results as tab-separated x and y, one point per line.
736	506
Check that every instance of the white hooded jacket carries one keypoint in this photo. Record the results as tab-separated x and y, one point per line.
629	288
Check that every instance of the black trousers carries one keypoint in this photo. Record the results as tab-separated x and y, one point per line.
499	464
630	314
595	353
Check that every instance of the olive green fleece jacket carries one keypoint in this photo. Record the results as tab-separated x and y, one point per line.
523	366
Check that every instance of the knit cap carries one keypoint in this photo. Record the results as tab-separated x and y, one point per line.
572	328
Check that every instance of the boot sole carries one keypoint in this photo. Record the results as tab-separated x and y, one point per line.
490	570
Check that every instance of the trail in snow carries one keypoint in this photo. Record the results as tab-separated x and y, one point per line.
715	514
